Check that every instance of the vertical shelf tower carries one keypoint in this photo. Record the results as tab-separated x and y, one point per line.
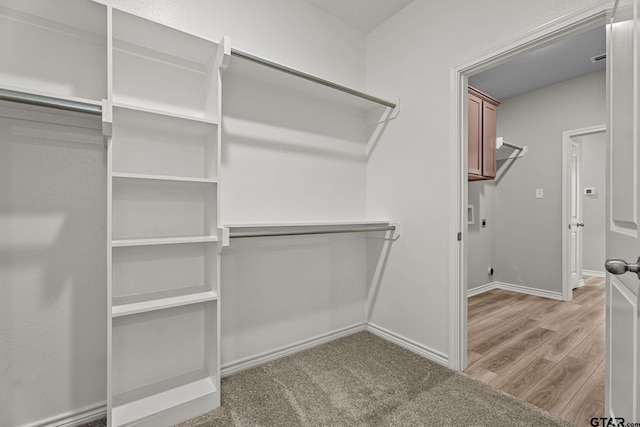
161	122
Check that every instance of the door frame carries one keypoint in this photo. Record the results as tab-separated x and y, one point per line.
574	23
567	137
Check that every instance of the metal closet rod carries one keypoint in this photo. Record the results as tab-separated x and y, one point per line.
515	147
303	75
241	234
49	102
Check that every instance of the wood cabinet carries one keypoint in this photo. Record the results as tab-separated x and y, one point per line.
482	135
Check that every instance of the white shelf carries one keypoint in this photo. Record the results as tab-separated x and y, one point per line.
147	143
162	70
151	404
163	178
58	48
506	151
166	113
158	37
159	303
120	243
159	209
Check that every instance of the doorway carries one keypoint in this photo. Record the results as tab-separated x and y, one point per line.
583	185
581	21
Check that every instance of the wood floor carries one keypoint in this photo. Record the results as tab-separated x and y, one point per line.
546	352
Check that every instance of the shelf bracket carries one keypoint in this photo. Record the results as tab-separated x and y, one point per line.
224	53
107	118
224	236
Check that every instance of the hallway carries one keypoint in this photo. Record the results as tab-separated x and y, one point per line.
546	352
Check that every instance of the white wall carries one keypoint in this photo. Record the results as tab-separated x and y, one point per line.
481	240
594	155
529	237
411	55
52	267
289	158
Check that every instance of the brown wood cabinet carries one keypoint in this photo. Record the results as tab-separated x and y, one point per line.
482	135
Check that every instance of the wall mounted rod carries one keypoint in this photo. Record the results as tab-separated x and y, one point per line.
515	147
303	75
49	102
242	234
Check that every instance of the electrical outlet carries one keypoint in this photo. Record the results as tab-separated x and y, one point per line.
539	193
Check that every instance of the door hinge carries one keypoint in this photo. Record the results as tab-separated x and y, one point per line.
459	236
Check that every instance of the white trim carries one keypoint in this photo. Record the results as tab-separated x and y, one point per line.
515	288
567	137
288	350
481	289
587	18
529	291
406	343
74	418
457	226
594	273
580	283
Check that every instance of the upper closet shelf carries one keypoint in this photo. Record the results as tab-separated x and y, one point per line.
163	70
54	48
506	150
252	66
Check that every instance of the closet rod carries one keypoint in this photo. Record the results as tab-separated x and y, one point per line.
49	102
239	234
297	73
515	147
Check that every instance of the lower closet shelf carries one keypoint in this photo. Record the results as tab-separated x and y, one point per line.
119	243
162	301
153	399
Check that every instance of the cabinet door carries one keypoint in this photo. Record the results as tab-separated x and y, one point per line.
475	135
488	140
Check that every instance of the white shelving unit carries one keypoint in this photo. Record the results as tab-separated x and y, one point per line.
162	128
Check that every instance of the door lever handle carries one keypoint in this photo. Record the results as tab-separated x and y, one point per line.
580	224
620	266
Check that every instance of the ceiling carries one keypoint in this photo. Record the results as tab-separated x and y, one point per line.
564	60
363	15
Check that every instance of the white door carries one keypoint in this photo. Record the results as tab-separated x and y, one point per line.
623	240
576	216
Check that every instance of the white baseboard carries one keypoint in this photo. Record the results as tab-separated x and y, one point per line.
419	349
594	273
268	356
481	289
515	288
74	418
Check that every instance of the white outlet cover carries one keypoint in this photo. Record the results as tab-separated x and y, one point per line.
539	193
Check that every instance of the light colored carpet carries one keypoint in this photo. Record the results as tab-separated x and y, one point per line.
363	380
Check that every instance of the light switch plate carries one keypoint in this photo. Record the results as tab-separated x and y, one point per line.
539	193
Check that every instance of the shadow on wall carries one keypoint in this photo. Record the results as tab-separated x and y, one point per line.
379	247
52	270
